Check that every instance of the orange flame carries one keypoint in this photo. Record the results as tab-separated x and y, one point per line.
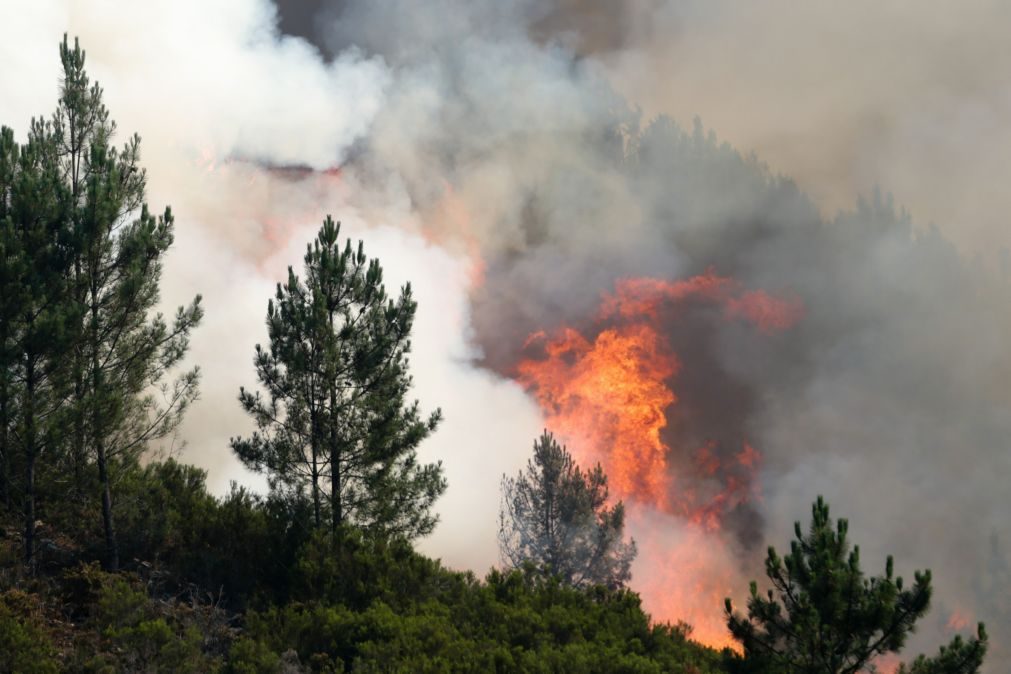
608	397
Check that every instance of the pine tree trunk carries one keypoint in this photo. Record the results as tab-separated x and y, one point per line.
78	447
30	452
315	486
549	530
314	441
30	509
337	514
335	466
5	464
111	548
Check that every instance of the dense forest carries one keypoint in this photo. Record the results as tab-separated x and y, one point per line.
114	558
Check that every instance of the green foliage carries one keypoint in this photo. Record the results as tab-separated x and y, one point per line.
24	644
363	570
82	353
37	317
376	605
336	412
511	622
120	351
958	657
130	631
235	547
555	517
822	615
142	640
248	656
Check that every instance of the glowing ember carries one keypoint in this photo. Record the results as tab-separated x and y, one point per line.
887	664
608	396
959	620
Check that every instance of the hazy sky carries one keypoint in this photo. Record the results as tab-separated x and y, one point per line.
908	95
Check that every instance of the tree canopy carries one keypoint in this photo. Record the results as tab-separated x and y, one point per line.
335	420
82	351
556	517
823	615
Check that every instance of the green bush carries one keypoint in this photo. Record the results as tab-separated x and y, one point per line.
130	631
381	607
236	547
25	648
248	656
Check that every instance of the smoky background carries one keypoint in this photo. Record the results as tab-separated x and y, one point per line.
534	136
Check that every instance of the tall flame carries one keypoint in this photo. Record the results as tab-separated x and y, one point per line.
608	397
608	393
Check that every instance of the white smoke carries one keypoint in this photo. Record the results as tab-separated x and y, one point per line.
217	94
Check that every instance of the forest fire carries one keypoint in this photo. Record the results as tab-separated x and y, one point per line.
609	391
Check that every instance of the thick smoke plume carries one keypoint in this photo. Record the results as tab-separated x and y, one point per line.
497	155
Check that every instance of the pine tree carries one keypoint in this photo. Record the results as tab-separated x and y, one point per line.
822	615
336	421
556	516
122	353
34	312
9	151
81	265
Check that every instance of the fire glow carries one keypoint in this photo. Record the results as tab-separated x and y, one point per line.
608	394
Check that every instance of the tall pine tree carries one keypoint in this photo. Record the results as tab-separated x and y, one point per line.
823	616
9	152
335	421
83	260
123	352
556	516
37	320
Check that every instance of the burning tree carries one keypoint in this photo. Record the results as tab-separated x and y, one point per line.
829	619
556	516
336	422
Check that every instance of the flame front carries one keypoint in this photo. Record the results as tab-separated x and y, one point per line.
608	397
608	393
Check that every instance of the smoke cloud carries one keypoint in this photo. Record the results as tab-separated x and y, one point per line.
507	158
